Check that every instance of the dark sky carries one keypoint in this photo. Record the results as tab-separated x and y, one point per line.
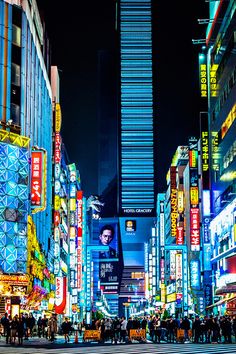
79	30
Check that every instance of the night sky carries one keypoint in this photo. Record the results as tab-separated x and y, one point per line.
85	27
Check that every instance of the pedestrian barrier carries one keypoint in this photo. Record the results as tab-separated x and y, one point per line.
92	335
137	334
180	335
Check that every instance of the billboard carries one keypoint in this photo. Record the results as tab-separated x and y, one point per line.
108	237
109	266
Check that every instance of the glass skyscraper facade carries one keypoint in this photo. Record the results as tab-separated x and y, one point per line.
136	108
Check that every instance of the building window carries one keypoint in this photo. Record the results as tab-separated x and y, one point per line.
15	113
16	35
15	74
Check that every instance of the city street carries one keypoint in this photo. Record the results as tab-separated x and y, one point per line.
42	346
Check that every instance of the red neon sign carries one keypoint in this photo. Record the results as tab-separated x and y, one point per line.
36	178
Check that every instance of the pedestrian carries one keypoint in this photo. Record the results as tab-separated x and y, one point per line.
40	326
31	324
234	327
26	326
14	327
45	326
7	327
20	330
196	329
4	322
123	329
186	326
66	328
116	330
52	327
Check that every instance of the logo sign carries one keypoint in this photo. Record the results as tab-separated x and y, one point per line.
37	182
203	75
215	151
173	201
60	301
194	274
14	279
180	235
213	80
194	229
79	212
79	234
194	195
57	148
130	225
57	118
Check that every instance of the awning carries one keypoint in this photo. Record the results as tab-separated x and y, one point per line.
226	290
231	299
222	301
216	304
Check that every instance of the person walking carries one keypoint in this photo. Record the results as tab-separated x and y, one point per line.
31	324
4	322
45	326
123	329
52	327
14	327
20	330
66	328
40	326
7	327
196	329
186	326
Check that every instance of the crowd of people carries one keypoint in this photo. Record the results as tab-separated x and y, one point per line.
25	325
207	329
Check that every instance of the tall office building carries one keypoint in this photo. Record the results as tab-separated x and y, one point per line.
136	108
136	171
133	157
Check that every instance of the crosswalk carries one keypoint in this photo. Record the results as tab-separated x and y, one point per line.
187	348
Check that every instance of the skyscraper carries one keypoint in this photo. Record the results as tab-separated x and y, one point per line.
136	184
136	171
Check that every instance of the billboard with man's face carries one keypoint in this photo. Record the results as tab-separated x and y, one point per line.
108	260
108	237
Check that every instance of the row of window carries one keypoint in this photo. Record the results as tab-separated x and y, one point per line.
15	72
230	155
225	94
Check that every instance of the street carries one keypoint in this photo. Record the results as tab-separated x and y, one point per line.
42	346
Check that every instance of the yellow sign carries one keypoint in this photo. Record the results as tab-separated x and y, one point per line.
205	151
203	80
194	195
72	204
174	212
92	334
228	121
57	202
57	118
137	334
180	201
171	297
213	81
215	151
14	279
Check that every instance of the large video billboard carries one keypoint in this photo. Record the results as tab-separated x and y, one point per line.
108	260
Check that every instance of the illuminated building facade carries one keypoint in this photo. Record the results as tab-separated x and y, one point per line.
26	152
174	281
136	171
136	108
218	91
